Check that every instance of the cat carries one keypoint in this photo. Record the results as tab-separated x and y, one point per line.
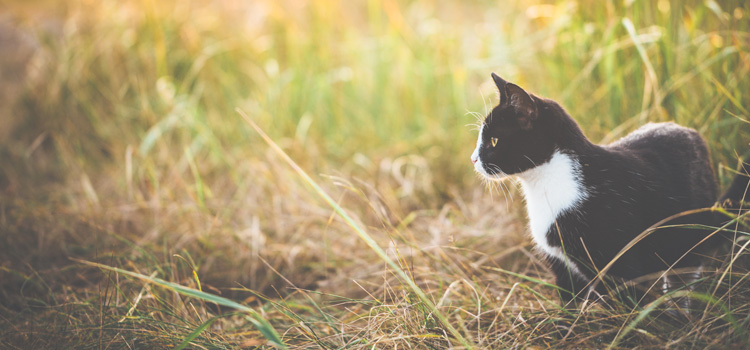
586	202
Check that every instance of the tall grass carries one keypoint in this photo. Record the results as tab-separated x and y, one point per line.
127	151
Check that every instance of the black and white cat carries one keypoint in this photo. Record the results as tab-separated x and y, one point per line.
586	202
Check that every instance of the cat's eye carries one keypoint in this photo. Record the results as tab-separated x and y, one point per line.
494	141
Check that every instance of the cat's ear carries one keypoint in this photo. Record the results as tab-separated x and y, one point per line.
523	104
500	83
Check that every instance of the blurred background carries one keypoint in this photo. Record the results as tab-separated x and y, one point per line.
120	143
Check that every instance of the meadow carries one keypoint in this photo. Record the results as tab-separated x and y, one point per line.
141	209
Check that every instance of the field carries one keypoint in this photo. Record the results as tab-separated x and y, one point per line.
140	208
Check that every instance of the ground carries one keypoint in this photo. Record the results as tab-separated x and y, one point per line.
138	209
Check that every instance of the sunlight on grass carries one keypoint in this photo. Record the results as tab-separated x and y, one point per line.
256	319
125	167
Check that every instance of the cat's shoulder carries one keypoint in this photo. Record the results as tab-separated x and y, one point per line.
666	132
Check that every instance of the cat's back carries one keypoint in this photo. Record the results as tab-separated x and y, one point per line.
657	134
676	154
669	142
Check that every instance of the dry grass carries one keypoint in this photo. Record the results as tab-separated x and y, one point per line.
126	150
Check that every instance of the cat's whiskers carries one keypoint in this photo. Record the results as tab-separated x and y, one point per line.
476	126
485	182
499	183
479	119
502	181
532	162
581	196
507	189
491	187
484	101
500	190
506	193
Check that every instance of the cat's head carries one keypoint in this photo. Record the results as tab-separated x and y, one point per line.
515	136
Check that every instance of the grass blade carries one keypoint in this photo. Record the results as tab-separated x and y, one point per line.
256	319
361	233
195	333
727	314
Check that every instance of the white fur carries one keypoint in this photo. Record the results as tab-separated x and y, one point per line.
479	165
475	155
552	189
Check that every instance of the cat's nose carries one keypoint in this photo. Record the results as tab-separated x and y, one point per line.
473	160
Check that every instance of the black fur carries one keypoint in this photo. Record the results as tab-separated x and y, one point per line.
632	184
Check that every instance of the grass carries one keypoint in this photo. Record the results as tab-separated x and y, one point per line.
139	210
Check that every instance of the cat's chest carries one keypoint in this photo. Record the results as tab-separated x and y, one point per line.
551	190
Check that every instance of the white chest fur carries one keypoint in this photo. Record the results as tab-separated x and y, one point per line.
552	189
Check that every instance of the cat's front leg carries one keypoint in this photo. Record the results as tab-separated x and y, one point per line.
572	286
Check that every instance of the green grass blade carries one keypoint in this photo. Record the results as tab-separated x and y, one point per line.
530	279
727	314
256	319
651	72
361	233
535	280
195	333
